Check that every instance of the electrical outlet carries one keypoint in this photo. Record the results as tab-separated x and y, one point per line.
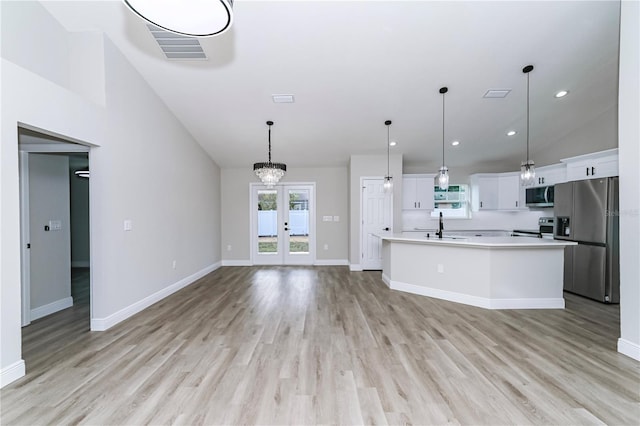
128	225
441	268
173	264
229	247
336	218
326	246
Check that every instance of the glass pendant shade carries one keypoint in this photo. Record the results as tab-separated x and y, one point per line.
196	18
269	173
443	178
527	173
388	184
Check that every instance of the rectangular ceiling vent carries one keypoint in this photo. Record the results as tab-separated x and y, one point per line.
177	47
497	93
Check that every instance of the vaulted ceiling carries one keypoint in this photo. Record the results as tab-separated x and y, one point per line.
351	65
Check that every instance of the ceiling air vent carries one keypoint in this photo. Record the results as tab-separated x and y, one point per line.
176	46
497	93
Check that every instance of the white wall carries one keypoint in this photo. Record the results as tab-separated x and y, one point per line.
145	167
371	166
629	154
50	251
331	200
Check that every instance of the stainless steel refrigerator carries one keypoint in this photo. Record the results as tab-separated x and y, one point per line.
587	212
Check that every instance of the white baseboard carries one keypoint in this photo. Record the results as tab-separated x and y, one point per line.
80	264
630	349
480	302
12	373
102	324
331	262
355	267
51	308
237	263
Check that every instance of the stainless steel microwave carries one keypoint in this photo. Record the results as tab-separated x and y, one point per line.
540	197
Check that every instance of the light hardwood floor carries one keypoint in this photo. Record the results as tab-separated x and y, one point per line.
309	345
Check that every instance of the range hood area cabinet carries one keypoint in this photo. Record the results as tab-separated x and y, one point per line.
418	192
550	175
590	166
497	191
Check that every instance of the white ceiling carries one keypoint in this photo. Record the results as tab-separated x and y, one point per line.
354	64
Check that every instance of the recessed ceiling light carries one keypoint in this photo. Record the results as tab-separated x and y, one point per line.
393	143
511	132
562	94
455	143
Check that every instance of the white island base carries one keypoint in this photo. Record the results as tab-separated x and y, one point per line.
491	273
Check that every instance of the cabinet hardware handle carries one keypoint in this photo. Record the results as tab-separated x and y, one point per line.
587	171
415	205
516	204
480	203
418	204
593	171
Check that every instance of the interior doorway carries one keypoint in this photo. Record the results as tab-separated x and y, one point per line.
377	217
54	226
283	224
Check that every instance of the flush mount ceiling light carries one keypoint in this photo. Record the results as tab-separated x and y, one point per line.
561	94
195	18
511	133
269	173
443	176
527	168
388	180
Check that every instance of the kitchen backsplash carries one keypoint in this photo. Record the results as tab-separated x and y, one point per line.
479	220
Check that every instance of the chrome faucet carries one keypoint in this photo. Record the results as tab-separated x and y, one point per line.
440	227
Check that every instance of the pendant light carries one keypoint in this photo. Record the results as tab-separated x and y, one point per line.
388	180
443	175
527	167
270	173
195	18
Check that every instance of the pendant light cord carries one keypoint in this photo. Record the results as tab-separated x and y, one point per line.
443	130
269	143
388	149
527	118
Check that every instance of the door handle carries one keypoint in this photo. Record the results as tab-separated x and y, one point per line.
385	229
286	229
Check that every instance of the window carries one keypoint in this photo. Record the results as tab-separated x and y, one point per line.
453	202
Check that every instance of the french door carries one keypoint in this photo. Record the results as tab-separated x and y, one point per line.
283	224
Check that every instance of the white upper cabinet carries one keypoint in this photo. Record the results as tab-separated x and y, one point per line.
510	192
497	191
591	166
550	175
417	192
484	192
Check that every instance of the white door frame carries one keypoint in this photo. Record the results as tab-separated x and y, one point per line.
362	233
25	234
282	258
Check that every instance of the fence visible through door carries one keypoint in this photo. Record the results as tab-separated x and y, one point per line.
283	224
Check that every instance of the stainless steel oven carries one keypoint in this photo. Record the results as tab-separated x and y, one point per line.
540	197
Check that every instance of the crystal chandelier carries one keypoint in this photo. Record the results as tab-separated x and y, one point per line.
270	173
527	168
443	176
388	180
195	18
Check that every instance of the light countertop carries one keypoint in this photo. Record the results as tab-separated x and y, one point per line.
480	242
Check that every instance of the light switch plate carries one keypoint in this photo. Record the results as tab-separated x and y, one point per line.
128	225
327	218
55	225
336	218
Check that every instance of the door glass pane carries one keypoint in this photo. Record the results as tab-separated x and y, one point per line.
267	221
299	221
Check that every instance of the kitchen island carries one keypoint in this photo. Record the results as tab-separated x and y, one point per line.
488	272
